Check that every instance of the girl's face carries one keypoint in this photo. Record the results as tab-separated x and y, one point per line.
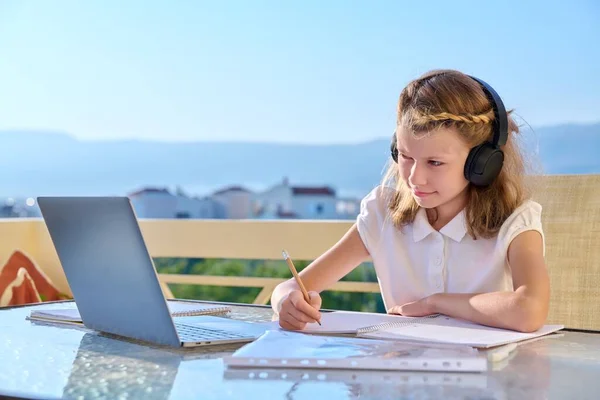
432	166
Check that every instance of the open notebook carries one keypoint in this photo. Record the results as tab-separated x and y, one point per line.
432	329
177	308
284	349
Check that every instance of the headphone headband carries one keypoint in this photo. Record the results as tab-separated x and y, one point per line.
500	127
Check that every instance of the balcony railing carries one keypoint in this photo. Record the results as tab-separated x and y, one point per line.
230	239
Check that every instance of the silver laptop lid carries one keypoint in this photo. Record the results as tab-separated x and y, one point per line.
108	267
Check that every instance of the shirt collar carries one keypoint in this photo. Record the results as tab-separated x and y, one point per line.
421	226
455	229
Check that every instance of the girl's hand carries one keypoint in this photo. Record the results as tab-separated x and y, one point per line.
295	312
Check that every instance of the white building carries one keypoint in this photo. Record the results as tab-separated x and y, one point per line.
236	200
347	208
154	203
303	202
161	203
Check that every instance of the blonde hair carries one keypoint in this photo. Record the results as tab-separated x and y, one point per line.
451	99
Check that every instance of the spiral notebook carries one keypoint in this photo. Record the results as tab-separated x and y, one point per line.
444	329
432	329
284	349
177	308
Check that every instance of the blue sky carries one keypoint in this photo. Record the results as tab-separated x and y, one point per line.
286	71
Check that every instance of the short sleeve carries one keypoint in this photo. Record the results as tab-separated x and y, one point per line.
527	217
372	216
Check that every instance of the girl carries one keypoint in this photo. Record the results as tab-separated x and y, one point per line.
452	229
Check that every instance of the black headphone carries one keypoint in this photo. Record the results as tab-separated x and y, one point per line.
485	161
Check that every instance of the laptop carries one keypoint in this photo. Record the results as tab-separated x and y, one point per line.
113	278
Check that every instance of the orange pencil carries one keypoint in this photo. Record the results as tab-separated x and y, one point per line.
290	264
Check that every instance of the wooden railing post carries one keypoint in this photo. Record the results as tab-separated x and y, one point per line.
265	295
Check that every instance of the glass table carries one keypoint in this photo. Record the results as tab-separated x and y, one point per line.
39	360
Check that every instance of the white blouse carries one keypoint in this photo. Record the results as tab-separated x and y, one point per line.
417	261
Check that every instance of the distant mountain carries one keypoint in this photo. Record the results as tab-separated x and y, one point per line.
50	163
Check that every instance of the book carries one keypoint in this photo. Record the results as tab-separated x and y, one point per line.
286	349
177	308
432	329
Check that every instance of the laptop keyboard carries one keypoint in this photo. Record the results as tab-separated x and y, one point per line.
192	333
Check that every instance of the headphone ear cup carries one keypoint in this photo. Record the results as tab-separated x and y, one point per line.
483	164
394	148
